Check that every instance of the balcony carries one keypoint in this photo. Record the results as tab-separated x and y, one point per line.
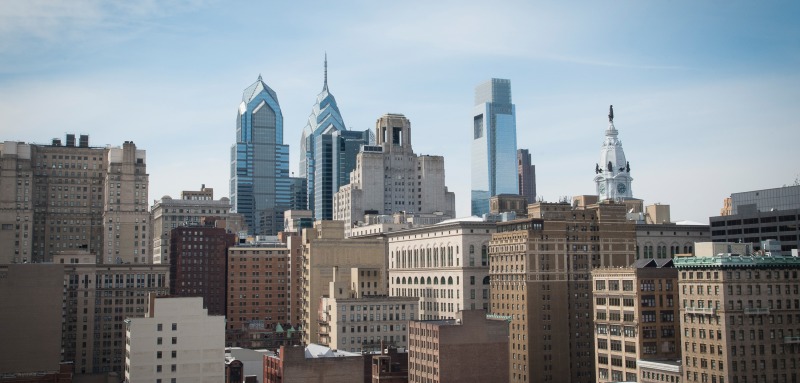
701	310
756	311
791	339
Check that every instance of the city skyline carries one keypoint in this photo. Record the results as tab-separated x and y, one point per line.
691	86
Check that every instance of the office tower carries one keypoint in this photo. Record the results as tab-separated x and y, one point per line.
494	144
260	185
298	193
65	197
389	178
324	247
327	152
198	264
613	173
760	215
540	276
189	210
445	350
636	317
358	315
739	316
527	175
177	340
445	265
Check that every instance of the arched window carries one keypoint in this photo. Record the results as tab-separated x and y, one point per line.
450	280
472	255
435	280
429	280
486	280
416	281
484	256
404	280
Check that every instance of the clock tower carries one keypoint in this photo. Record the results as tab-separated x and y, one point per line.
613	173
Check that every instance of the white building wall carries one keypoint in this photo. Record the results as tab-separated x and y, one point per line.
191	344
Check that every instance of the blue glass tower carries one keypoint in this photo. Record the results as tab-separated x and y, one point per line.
494	144
260	185
328	152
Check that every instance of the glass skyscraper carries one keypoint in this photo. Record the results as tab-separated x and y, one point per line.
328	152
260	185
494	144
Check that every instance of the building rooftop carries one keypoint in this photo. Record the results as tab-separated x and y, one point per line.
743	261
314	350
653	262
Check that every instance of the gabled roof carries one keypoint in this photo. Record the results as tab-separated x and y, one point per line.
653	263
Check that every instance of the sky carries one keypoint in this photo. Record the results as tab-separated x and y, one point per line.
706	94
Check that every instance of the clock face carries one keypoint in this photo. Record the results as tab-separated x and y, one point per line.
602	188
621	188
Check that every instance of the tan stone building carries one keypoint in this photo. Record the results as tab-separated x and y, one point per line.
446	265
325	247
471	348
70	196
358	315
540	272
636	317
739	317
189	210
389	178
314	363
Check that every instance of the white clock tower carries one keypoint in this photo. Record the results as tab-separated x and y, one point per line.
613	173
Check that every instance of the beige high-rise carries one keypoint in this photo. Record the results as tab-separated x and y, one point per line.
66	197
540	271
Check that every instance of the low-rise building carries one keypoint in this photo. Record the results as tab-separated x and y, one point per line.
473	347
177	341
313	363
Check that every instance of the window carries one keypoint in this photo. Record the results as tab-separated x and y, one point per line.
174	354
158	354
174	340
160	327
158	368
174	326
158	340
174	368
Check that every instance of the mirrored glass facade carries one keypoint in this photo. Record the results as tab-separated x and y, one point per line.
260	186
494	144
328	152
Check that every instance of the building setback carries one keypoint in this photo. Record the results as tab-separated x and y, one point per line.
470	348
739	317
198	264
260	184
389	178
494	144
540	273
70	196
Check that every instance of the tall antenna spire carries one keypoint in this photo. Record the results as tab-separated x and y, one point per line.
325	86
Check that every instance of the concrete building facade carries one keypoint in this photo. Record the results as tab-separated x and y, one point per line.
540	276
177	341
390	178
445	265
470	348
66	197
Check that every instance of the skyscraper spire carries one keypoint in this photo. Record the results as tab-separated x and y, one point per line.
325	86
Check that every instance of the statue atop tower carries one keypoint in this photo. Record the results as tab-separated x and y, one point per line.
612	173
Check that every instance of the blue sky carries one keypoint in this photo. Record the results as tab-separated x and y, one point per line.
706	94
